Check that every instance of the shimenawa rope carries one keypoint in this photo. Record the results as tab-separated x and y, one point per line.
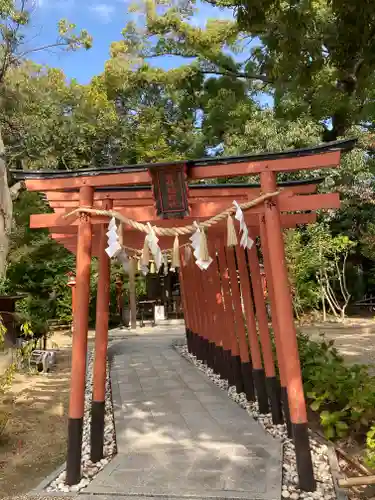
173	231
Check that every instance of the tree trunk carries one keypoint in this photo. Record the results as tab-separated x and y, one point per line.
6	211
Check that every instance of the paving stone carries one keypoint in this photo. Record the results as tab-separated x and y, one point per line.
178	436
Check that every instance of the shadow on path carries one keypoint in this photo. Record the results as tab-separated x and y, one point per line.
178	435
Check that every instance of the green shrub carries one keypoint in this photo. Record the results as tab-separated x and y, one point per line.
370	448
343	395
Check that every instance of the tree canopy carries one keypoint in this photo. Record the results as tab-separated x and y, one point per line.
278	75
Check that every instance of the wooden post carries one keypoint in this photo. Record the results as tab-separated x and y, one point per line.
188	303
79	347
222	335
246	384
257	367
275	326
120	297
193	292
285	319
233	356
185	301
132	294
101	345
216	325
272	383
205	333
73	305
194	305
72	286
206	312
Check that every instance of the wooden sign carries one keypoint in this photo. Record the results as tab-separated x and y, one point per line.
170	191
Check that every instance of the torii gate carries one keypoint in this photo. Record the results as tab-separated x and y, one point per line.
224	306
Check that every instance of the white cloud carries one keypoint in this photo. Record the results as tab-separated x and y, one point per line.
103	11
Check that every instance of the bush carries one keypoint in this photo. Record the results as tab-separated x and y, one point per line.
343	395
370	445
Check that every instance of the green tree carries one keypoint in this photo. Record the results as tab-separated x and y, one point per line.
316	56
317	262
49	123
15	16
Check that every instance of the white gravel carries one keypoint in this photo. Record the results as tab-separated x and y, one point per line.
89	469
325	487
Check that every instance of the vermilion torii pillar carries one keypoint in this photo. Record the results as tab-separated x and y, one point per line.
289	347
233	356
256	357
272	384
246	365
72	285
275	325
79	346
101	344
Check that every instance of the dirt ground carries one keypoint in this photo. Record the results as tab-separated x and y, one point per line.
355	339
34	442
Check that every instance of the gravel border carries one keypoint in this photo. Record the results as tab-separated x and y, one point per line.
322	471
89	469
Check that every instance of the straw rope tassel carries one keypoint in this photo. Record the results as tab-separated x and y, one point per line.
176	253
203	248
120	232
232	239
145	259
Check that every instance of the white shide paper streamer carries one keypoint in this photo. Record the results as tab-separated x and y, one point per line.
195	243
246	241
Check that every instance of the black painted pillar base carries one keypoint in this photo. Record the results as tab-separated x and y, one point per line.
189	336
207	347
261	390
284	398
213	355
303	457
191	341
210	354
224	364
187	339
194	342
203	350
198	346
97	430
73	460
238	381
274	395
247	376
218	360
229	367
206	351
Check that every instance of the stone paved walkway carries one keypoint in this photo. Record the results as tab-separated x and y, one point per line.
178	435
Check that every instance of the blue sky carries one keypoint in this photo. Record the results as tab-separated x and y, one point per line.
104	19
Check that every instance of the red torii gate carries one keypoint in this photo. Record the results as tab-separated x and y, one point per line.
224	306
